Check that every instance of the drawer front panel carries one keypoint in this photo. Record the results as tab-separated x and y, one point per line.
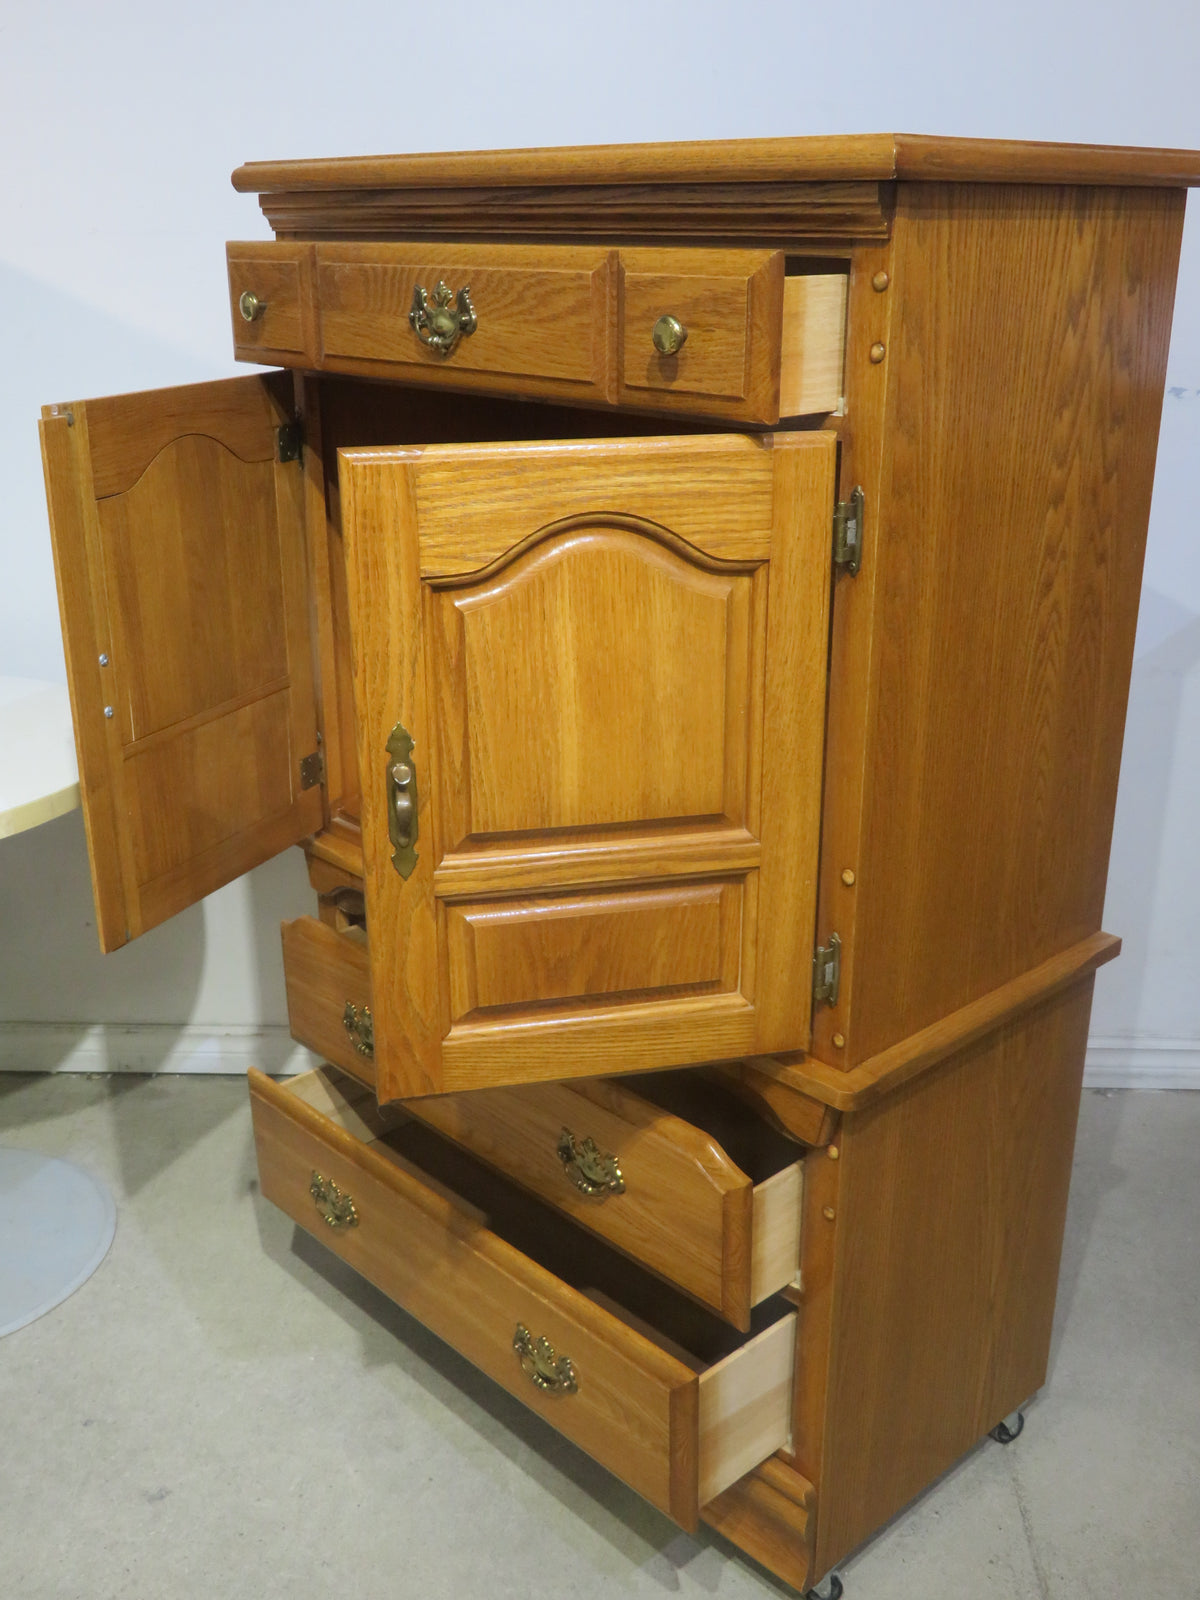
272	302
541	319
729	304
328	980
638	941
633	1406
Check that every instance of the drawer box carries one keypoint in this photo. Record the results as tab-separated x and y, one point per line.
661	1187
541	316
328	979
679	1414
757	345
272	302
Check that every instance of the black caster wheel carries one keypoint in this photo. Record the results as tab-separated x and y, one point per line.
829	1589
1003	1434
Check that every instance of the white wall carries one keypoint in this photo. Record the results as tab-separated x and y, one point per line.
120	126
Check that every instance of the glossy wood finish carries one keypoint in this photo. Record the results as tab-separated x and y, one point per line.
179	554
679	1431
324	969
838	157
989	638
931	1295
687	1211
731	303
544	316
281	276
609	755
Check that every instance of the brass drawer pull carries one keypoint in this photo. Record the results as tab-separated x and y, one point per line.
336	1208
439	324
360	1027
250	306
590	1169
402	800
546	1371
669	335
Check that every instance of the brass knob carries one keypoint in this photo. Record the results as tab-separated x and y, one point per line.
546	1371
250	306
669	335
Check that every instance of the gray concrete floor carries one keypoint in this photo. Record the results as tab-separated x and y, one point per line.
224	1411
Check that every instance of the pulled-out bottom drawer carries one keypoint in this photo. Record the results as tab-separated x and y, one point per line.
654	1387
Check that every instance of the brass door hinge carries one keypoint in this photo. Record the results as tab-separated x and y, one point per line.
289	440
848	532
827	971
312	770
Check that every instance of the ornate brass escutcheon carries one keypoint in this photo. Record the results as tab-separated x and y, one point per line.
402	800
336	1208
360	1027
551	1373
436	322
590	1169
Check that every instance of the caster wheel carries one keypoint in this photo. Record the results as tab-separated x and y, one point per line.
830	1589
1003	1434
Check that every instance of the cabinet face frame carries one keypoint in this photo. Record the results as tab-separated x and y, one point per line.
180	556
472	567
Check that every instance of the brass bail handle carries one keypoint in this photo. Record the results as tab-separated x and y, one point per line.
336	1207
553	1374
402	800
360	1028
592	1170
436	322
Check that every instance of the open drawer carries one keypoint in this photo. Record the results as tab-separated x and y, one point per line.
654	1388
695	1186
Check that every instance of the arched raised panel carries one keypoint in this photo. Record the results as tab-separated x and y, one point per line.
602	678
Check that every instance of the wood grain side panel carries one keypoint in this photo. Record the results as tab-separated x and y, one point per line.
731	303
793	738
1025	376
672	1215
528	952
322	970
949	1220
438	1261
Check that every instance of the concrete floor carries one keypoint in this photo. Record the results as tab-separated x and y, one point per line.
224	1411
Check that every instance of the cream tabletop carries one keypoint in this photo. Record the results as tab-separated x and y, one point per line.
38	776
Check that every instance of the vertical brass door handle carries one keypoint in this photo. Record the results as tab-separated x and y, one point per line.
551	1373
402	800
592	1170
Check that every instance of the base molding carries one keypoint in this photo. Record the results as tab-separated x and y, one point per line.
149	1047
1111	1062
1116	1063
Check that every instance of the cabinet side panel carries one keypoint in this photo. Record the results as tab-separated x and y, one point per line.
949	1226
1026	364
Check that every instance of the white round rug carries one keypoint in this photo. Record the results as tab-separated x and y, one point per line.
56	1224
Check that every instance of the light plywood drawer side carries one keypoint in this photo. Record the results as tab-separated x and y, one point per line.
542	323
656	1390
272	302
661	1187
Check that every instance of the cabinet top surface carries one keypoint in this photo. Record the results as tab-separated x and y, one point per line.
868	157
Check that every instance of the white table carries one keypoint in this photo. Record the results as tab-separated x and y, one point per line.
56	1220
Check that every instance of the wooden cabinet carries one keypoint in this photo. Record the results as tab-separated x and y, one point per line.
708	813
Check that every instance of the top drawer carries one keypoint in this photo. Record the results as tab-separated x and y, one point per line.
717	333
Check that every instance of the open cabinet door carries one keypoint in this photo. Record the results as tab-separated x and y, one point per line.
180	559
590	698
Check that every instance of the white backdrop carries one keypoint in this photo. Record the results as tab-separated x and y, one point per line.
120	125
